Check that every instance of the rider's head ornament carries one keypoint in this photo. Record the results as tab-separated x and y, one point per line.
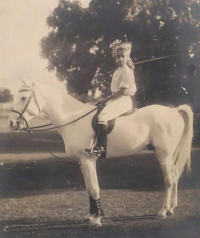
118	46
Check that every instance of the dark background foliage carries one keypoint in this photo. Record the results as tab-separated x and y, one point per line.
79	39
5	95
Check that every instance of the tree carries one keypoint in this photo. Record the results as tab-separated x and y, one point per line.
79	43
5	96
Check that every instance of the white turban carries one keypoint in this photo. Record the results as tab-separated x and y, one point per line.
117	46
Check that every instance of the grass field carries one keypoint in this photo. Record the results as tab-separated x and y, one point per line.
41	196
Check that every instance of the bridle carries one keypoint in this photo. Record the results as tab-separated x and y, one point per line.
29	129
21	117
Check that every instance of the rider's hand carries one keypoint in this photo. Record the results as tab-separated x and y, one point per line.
104	101
98	103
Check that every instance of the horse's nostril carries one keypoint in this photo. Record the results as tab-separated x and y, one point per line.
11	123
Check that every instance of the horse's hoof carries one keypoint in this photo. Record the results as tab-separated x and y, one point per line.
89	218
161	216
96	223
170	213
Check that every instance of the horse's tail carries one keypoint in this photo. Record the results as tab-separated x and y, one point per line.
182	155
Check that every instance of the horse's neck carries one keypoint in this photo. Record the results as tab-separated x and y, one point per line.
60	106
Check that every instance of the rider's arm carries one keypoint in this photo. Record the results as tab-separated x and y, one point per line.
125	80
115	95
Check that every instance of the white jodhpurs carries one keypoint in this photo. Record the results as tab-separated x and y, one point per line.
115	108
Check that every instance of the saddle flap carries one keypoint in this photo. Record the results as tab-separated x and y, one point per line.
111	123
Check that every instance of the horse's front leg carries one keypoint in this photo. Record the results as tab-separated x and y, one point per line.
88	166
91	215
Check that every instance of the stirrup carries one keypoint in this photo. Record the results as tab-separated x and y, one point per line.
90	150
98	151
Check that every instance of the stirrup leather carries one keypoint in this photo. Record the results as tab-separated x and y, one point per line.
92	145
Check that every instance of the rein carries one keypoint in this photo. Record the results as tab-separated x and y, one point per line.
55	127
31	129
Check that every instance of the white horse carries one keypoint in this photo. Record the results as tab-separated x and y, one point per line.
168	130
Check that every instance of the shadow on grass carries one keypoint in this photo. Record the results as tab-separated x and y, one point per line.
24	225
139	172
142	173
22	142
134	226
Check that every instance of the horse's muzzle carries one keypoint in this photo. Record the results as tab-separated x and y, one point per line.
13	126
16	125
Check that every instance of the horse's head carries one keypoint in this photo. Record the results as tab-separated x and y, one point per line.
27	105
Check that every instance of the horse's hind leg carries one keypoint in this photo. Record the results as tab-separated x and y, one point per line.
90	176
165	159
174	197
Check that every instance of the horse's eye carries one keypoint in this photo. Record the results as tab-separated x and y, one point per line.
23	98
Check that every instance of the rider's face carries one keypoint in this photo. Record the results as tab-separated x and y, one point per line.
121	58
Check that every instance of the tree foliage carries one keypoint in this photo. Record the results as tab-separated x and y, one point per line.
5	95
79	42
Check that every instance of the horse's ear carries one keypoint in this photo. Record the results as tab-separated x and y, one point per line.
24	83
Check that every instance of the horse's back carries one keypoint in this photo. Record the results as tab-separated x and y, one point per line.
148	114
151	124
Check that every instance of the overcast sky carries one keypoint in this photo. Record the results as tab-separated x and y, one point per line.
22	25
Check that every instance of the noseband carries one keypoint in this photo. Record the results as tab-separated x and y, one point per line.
21	118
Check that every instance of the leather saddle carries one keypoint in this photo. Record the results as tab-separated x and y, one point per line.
111	123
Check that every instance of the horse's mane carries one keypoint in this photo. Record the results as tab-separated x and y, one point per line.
55	92
50	86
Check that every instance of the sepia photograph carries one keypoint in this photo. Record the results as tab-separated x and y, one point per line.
100	119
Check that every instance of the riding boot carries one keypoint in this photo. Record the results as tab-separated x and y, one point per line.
100	149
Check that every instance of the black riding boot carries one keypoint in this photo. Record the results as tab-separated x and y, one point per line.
100	149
